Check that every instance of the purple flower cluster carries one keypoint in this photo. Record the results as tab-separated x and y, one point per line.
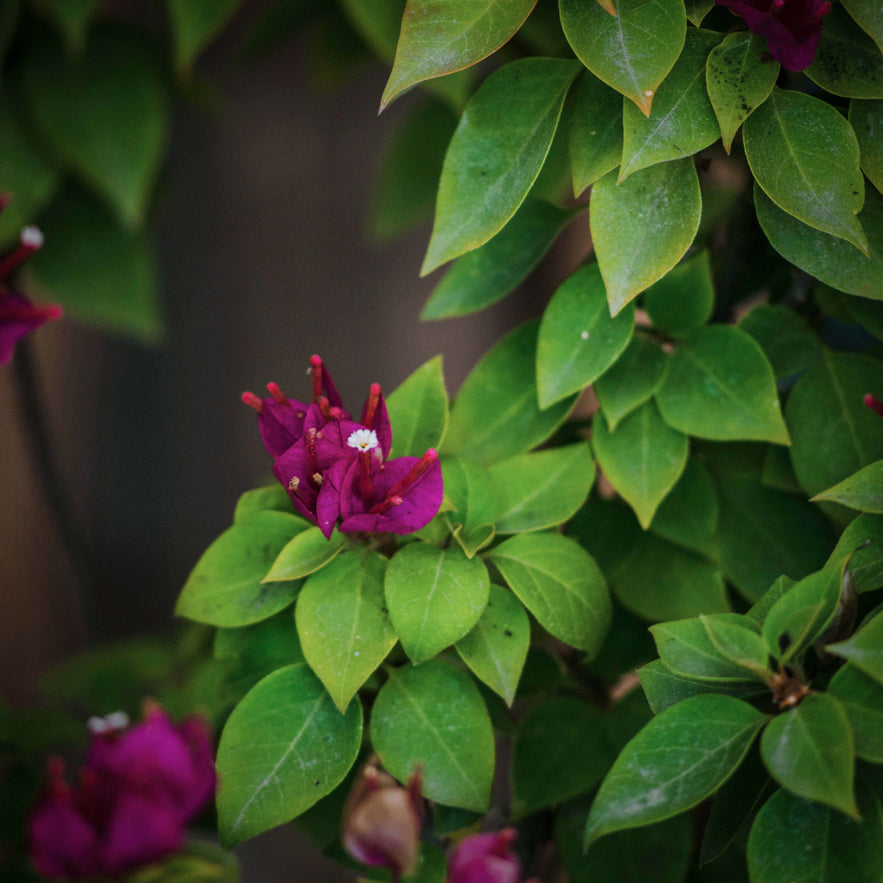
18	316
485	858
336	470
140	788
791	27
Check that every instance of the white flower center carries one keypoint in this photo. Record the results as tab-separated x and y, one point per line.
363	440
32	237
118	720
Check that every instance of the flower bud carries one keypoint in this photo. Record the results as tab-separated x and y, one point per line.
485	858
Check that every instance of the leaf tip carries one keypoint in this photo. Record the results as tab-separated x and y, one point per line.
644	101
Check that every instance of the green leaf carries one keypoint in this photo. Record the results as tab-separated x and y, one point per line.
863	541
720	385
438	39
697	10
738	642
681	757
111	130
578	339
785	338
542	489
260	499
631	380
862	698
471	490
739	76
808	749
195	860
378	23
23	173
664	199
432	716
560	584
418	411
864	649
833	433
343	623
496	414
800	615
847	61
283	748
595	132
631	51
831	260
225	588
435	597
496	648
805	157
663	688
869	17
560	751
794	839
642	459
869	314
120	292
681	121
682	301
661	581
862	491
496	154
486	275
689	513
71	17
306	553
473	539
195	23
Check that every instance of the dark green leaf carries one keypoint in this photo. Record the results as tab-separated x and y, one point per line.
283	747
496	154
738	641
777	472
595	131
762	607
868	313
71	17
578	339
195	23
847	61
418	411
862	491
663	688
786	339
225	588
866	118
863	541
378	22
865	649
697	10
664	199
471	490
681	757
432	716
862	698
681	302
260	499
869	17
306	553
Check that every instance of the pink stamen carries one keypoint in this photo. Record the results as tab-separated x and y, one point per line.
30	313
316	371
58	785
872	402
366	482
417	470
324	407
278	395
5	199
383	507
312	457
371	406
253	401
337	413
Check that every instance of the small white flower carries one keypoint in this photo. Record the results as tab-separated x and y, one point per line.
363	440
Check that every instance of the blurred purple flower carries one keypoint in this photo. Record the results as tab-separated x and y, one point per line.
485	858
791	27
872	402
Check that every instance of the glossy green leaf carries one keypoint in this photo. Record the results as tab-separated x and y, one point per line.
865	649
560	584
681	757
764	604
541	489
801	614
495	650
681	121
689	513
739	76
866	118
862	491
23	173
473	539
440	38
785	338
119	293
738	642
643	458
862	542
697	10
306	553
805	156
496	414
283	748
435	597
496	154
578	339
631	380
720	386
664	199
111	130
225	588
471	490
862	698
661	581
631	51
808	749
833	433
486	275
595	133
869	17
663	688
418	411
847	61
343	623
432	716
831	260
260	499
794	839
682	301
560	751
71	17
195	23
